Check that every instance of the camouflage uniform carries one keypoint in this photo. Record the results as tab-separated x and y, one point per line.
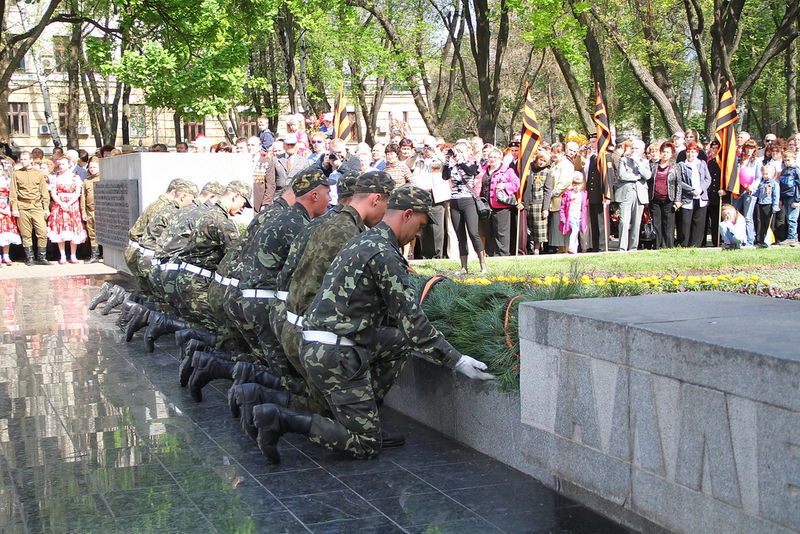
137	231
212	234
366	282
169	244
231	267
264	257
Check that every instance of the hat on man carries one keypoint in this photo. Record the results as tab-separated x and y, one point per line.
185	186
374	182
214	188
328	116
411	197
308	179
246	190
345	187
679	134
174	183
290	139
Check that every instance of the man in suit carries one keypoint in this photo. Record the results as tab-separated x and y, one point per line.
631	192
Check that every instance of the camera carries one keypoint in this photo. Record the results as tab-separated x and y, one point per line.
332	156
450	153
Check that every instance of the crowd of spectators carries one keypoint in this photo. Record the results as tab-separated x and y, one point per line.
663	194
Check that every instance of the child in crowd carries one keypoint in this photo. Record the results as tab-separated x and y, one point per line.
790	195
732	228
572	218
768	202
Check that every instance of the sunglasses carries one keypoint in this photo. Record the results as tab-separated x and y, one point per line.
317	141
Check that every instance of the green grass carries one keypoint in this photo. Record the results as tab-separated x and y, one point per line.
780	264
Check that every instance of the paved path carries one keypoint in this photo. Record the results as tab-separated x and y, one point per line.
96	436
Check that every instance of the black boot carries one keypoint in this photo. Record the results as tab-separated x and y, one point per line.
188	350
207	367
118	296
95	257
273	421
101	296
125	314
137	319
246	372
182	336
41	256
29	261
248	396
390	440
159	325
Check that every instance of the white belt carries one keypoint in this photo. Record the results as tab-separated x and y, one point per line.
258	293
326	338
134	244
223	281
282	295
296	320
147	252
197	270
170	266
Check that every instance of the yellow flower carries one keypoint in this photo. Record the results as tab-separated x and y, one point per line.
601	283
680	278
706	279
667	279
715	282
765	282
599	279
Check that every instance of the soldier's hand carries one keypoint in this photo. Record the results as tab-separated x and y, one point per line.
472	368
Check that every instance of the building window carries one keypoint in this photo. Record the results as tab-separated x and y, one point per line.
191	129
18	123
137	120
63	116
13	52
248	126
61	52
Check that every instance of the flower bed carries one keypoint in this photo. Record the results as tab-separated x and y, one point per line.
479	315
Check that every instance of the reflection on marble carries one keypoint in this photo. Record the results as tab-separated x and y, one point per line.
96	436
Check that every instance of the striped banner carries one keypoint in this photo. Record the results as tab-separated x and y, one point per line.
603	141
531	138
342	128
725	132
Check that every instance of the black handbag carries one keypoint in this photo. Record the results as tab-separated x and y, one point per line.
482	205
502	197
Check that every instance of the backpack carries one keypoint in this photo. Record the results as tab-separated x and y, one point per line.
789	177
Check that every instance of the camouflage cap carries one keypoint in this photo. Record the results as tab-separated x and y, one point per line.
374	182
308	179
185	186
411	197
214	188
246	190
346	185
174	184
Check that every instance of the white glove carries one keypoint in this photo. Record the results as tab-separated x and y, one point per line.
472	368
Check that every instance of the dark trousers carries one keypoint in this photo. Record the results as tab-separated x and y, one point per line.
693	225
500	231
431	243
464	215
597	226
765	217
712	223
663	214
780	223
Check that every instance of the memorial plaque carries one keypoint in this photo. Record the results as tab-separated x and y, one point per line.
117	208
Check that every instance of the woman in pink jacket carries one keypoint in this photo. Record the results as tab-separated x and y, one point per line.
499	178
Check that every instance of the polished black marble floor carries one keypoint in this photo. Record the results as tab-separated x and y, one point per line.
96	436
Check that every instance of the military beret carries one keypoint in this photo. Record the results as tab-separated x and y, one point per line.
185	186
246	190
214	188
411	197
374	182
346	185
308	179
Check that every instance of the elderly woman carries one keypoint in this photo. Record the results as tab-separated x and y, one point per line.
538	185
561	173
631	192
498	178
664	190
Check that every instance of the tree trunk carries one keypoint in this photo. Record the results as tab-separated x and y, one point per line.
5	132
46	101
551	111
790	61
92	108
73	87
273	95
574	89
126	110
286	33
176	123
